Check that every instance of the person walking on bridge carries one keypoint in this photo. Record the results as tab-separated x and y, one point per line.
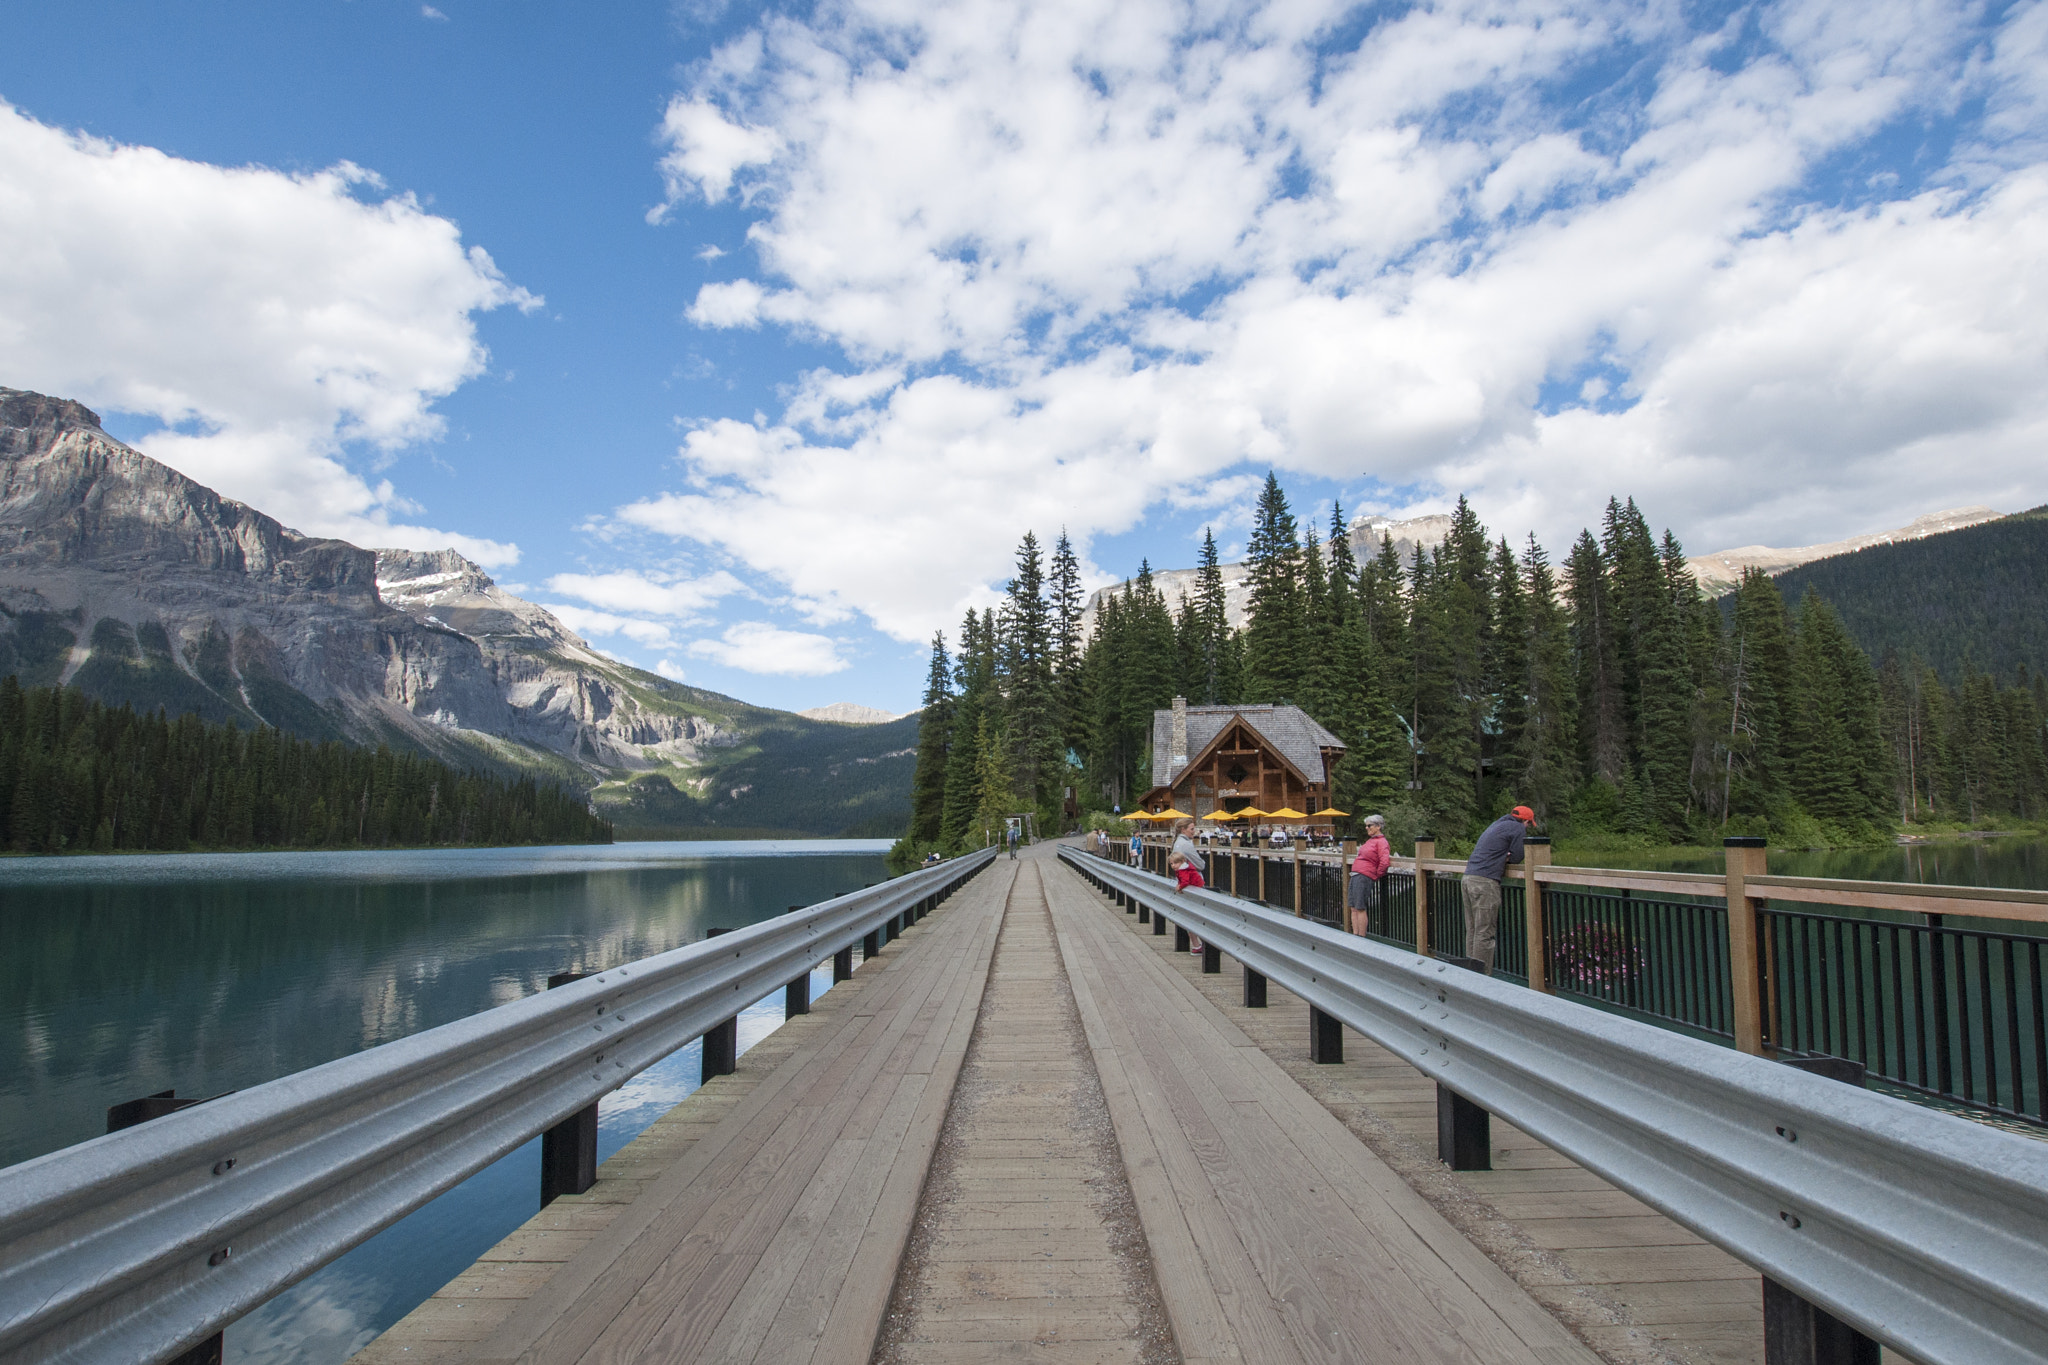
1500	845
1362	891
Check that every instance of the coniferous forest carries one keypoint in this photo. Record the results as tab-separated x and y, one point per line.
79	776
1605	691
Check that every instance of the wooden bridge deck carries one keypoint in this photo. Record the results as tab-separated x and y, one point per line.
1075	1147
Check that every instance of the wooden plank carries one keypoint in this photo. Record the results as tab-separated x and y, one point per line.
732	1173
1343	1248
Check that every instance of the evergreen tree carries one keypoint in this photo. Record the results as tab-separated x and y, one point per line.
934	740
1603	723
1546	755
1067	645
1217	685
1276	644
1031	723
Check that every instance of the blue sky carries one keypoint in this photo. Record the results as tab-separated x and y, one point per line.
752	338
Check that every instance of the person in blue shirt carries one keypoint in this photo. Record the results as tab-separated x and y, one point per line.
1499	846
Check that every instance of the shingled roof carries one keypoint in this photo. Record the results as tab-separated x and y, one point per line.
1286	730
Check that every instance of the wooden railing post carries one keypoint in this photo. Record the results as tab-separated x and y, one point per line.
1425	850
1745	859
1535	854
1262	876
1297	878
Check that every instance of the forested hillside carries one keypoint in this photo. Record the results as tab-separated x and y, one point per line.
79	775
1606	692
1977	597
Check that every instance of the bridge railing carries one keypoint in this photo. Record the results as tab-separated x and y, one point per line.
1917	1228
1902	979
136	1245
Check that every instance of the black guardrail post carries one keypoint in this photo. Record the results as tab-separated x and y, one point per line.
1158	921
1254	989
127	1114
721	1040
842	964
796	997
1180	938
870	945
1212	958
1325	1038
568	1151
1464	1131
1797	1332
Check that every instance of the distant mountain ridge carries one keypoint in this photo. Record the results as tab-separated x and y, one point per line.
1976	597
122	577
1720	571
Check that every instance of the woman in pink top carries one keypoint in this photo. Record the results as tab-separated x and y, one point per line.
1363	892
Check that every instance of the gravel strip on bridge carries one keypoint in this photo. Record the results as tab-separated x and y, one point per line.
1027	1244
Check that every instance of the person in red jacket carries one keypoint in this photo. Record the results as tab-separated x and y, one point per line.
1362	894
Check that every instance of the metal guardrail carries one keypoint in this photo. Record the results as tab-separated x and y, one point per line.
133	1246
1919	1229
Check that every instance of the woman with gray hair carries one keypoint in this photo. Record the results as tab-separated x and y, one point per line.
1362	893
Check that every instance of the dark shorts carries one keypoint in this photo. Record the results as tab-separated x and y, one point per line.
1362	893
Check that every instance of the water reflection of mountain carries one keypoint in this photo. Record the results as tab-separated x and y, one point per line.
108	991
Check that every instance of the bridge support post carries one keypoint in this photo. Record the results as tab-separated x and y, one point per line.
1159	925
1144	914
127	1114
1535	854
721	1049
1425	850
1180	938
1212	958
842	964
870	944
1798	1333
1464	1132
568	1151
1745	859
1254	989
796	997
1325	1038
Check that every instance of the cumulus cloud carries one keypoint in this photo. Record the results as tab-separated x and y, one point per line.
593	624
756	647
270	320
630	590
706	150
1085	261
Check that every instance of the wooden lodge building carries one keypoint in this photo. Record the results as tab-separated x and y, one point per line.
1210	758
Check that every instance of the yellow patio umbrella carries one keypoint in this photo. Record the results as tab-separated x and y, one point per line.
1172	814
1287	813
1331	812
1251	813
1220	815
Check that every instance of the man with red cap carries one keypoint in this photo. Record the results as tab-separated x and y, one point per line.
1500	845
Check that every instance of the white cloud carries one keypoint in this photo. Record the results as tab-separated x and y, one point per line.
756	647
671	670
600	624
706	150
429	12
269	319
629	590
1085	261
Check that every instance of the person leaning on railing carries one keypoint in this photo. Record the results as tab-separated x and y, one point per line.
1500	845
1362	890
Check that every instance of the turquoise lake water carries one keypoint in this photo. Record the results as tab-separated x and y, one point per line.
123	976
